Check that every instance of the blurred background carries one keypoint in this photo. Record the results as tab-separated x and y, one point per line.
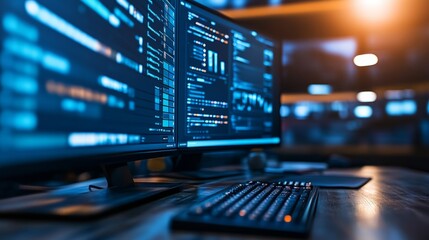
354	92
355	76
355	83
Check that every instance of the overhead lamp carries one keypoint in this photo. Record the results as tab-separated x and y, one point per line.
366	96
365	60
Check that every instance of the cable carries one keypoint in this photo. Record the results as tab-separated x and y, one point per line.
92	187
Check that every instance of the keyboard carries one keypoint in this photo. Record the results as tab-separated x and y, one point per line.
280	209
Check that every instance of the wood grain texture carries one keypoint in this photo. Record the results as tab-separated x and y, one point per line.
393	205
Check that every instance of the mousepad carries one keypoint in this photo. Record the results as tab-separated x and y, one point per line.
332	181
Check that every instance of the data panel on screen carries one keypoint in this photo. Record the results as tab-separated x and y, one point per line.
227	86
86	77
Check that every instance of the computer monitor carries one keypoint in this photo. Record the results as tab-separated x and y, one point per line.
228	91
86	82
82	79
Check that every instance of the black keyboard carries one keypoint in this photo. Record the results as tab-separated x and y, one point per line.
283	208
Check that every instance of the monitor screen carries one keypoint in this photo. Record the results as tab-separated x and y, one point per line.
81	78
227	83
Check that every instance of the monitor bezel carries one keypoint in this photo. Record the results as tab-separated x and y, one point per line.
81	163
277	91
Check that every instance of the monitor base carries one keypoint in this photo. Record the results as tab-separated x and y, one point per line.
80	206
73	204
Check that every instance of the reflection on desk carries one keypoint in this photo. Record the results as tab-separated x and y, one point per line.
393	205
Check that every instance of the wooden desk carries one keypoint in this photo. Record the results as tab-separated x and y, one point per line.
393	205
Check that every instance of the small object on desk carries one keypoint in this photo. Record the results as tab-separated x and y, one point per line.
282	209
331	181
256	161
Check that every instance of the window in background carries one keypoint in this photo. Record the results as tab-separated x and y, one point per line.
363	111
403	57
326	62
401	108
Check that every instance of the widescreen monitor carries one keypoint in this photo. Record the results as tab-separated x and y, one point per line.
86	78
228	87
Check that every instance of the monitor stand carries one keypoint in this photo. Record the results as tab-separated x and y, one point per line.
188	166
84	202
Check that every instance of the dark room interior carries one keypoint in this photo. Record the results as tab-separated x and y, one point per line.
214	119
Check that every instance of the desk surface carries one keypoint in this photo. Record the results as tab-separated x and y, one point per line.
393	205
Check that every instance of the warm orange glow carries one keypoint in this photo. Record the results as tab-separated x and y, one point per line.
242	213
76	92
287	9
288	218
374	11
156	164
67	210
365	60
340	96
